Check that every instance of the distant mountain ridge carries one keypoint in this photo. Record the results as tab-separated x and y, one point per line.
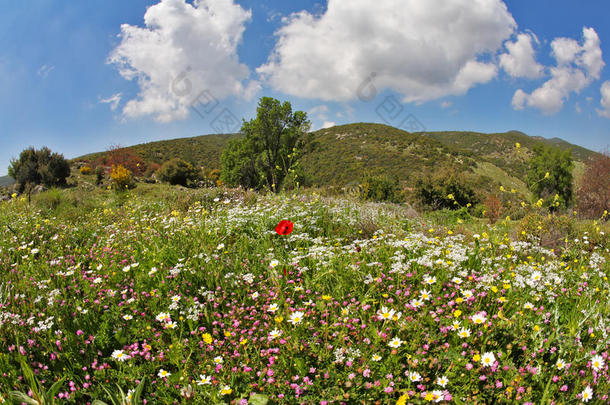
6	181
345	153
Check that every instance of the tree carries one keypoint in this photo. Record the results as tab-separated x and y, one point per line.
270	148
593	195
549	176
39	167
177	171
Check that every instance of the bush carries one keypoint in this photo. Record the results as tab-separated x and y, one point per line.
550	230
121	178
86	170
39	167
593	196
119	156
441	191
177	171
493	208
381	188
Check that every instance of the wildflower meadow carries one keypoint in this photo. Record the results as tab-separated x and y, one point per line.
236	298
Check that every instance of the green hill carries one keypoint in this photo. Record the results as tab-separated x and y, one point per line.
6	181
346	153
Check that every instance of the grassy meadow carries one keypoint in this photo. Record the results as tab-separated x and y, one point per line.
192	297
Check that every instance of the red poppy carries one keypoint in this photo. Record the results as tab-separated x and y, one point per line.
284	227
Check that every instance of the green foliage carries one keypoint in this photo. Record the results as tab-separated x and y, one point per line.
39	167
549	176
445	191
551	231
120	398
272	144
39	395
177	171
381	188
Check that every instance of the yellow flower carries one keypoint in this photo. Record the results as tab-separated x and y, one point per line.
326	297
517	145
279	319
501	188
459	300
547	175
243	342
227	334
429	396
476	358
207	338
457	313
402	400
494	289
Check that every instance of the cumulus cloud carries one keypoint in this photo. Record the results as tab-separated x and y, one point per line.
183	50
113	100
423	50
577	67
520	60
605	90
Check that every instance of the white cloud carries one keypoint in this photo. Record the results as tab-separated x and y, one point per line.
113	100
422	49
520	61
328	124
183	50
577	67
605	90
446	104
44	71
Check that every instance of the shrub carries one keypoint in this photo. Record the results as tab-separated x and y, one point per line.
177	171
39	167
493	208
550	230
593	196
121	178
86	170
99	175
119	156
381	188
441	191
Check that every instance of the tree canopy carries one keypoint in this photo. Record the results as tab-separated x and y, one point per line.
549	176
39	167
270	148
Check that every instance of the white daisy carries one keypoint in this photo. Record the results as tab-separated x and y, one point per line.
597	362
488	359
395	343
119	355
164	374
296	317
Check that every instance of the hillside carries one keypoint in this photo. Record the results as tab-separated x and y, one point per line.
6	181
346	153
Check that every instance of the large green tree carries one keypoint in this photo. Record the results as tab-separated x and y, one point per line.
39	167
549	176
270	148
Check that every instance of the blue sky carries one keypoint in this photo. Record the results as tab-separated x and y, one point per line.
81	76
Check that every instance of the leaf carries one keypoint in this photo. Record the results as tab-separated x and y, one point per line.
98	402
138	392
20	397
54	390
258	399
